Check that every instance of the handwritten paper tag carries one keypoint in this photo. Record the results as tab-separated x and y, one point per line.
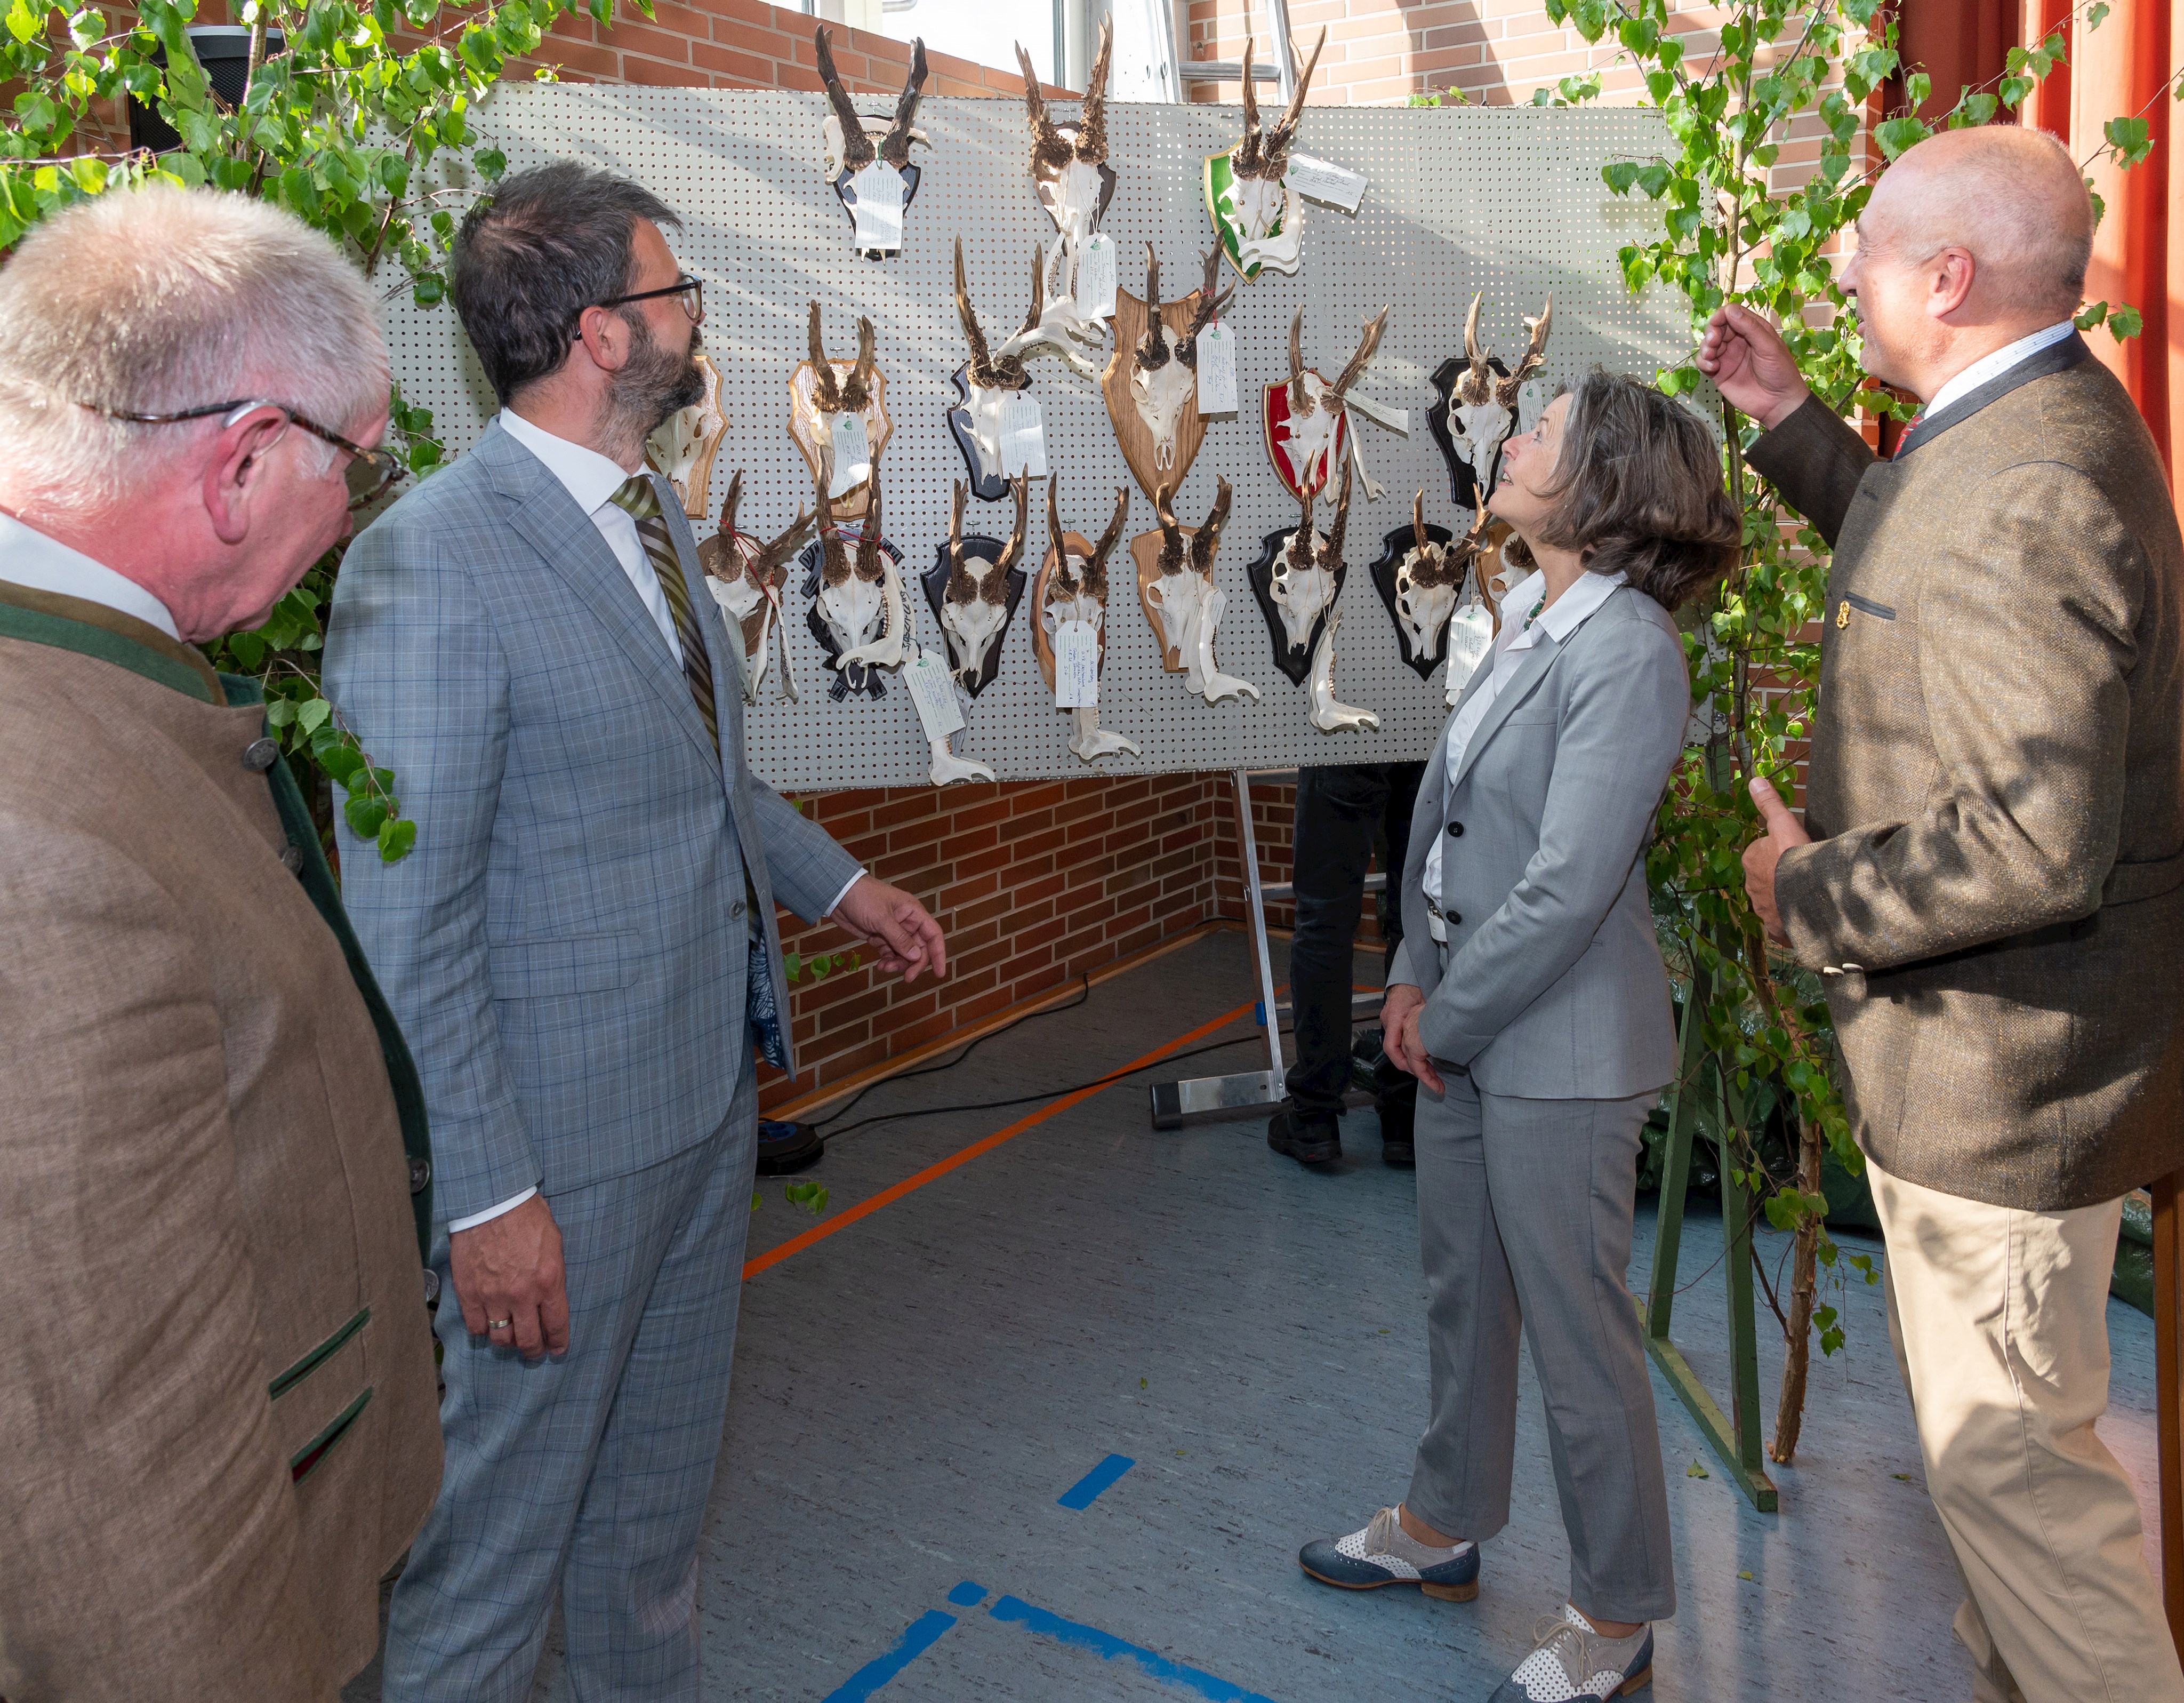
1394	419
1095	277
1076	666
877	208
1470	636
1322	180
1216	370
933	689
1023	436
853	453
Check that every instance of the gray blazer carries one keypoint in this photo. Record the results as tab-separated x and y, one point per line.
566	947
1554	988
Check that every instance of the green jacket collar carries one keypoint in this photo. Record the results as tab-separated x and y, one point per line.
91	629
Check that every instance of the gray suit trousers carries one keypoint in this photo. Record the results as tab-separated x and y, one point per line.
590	1468
1524	1211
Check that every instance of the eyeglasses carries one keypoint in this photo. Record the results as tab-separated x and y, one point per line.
692	290
368	473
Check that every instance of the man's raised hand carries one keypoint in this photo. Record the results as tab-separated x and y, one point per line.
1751	364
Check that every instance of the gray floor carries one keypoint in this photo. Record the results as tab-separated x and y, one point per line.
913	1394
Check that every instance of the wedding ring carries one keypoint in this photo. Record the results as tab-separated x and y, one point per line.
498	1323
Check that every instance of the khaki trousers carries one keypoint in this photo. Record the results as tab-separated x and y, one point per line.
1999	1321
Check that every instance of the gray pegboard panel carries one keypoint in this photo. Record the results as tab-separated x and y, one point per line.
1506	200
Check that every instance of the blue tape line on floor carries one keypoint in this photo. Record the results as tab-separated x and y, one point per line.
917	1638
1082	1494
1210	1686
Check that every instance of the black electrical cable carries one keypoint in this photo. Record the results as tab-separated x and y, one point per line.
1044	1095
971	1047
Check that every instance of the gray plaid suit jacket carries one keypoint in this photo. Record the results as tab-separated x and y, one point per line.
1554	988
566	947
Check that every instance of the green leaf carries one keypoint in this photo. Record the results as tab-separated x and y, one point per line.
313	715
812	1197
1895	135
395	840
2124	322
2131	138
1695	1470
366	815
2090	315
2095	14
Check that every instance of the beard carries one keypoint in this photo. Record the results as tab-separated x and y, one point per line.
653	386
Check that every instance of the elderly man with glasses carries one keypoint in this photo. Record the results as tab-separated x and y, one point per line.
216	1382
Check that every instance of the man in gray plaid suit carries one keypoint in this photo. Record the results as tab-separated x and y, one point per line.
581	949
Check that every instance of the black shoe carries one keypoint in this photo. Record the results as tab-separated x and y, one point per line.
1309	1138
1396	1146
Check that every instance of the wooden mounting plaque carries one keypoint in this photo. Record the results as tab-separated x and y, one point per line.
1134	436
853	502
1077	544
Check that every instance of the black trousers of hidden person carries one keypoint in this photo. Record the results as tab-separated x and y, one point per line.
1341	810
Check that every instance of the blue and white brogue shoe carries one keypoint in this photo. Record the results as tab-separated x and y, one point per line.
1572	1663
1384	1554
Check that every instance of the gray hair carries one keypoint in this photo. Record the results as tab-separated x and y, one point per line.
157	299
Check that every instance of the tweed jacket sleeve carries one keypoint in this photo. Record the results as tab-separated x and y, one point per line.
1815	459
2026	647
413	663
1627	698
150	1528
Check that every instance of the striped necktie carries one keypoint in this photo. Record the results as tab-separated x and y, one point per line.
642	502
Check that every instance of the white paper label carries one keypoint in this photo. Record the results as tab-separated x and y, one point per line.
1322	180
1394	419
1470	636
1023	436
1076	666
1095	277
933	689
1216	370
877	208
853	453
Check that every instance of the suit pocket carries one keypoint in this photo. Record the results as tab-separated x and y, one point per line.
574	963
1866	606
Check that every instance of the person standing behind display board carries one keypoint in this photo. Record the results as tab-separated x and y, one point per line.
1989	873
217	1388
583	946
1530	1000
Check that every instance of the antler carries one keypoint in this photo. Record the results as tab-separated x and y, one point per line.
1356	370
1536	354
962	587
858	391
778	551
894	146
1331	556
824	391
982	359
835	561
1171	550
729	509
1014	547
1275	149
1303	542
1209	305
1153	347
1092	121
1207	538
1050	149
1301	402
1245	162
1054	522
1475	387
868	535
1096	574
1037	310
857	152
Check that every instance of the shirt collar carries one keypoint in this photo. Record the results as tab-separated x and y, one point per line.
30	558
586	474
1565	615
1994	365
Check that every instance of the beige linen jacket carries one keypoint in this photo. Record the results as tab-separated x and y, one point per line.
218	1422
1996	894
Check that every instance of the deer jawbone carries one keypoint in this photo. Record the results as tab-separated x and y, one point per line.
971	628
1327	715
948	766
1480	429
1212	682
1301	597
1160	396
1421	610
1091	742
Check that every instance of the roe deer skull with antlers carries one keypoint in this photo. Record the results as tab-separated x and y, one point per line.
1262	212
745	578
822	392
1072	587
1190	604
975	604
1067	159
1317	426
1164	376
1482	410
849	136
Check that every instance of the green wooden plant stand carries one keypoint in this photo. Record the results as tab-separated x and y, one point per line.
1736	1441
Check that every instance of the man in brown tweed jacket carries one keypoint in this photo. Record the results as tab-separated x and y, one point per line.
1989	874
217	1413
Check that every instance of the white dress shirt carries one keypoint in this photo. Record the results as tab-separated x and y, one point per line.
30	559
1520	632
1994	365
592	479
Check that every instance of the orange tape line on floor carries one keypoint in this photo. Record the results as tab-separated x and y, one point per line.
888	1196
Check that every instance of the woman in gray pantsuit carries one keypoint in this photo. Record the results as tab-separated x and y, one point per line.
1530	1000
